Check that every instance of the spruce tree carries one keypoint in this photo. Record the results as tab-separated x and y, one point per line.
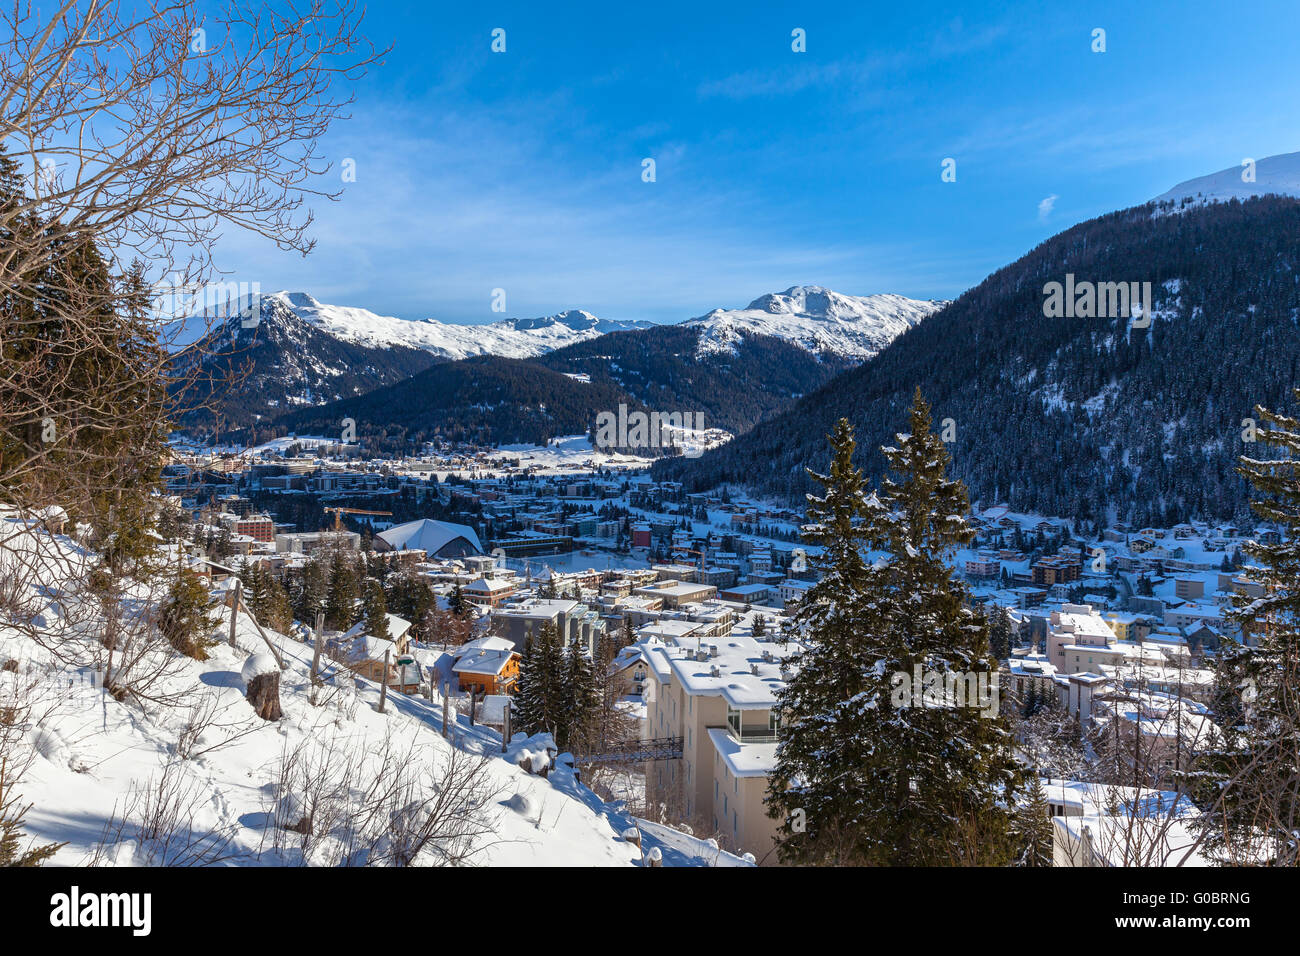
580	696
1000	633
540	695
12	851
344	589
1248	778
887	776
185	618
526	704
313	592
1032	826
375	611
815	788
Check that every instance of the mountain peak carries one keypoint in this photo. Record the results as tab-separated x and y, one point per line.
820	320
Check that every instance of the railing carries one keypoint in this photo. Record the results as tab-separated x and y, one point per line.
752	735
633	751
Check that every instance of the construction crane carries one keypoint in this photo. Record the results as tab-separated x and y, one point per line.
677	548
339	512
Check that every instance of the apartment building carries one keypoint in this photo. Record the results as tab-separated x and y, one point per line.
488	592
676	593
578	623
718	696
259	527
1076	630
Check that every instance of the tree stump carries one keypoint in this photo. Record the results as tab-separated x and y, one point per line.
264	695
262	676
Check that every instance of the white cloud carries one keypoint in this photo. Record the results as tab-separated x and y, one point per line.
1045	207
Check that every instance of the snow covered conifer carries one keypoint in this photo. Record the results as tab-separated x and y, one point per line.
1248	778
344	589
893	745
1032	826
815	789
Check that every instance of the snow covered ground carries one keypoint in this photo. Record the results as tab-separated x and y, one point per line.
184	769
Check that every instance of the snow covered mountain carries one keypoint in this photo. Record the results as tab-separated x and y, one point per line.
819	320
509	338
1279	175
302	352
1075	416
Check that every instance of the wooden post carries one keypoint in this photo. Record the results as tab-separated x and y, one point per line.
446	692
234	610
315	658
383	684
505	730
275	652
473	699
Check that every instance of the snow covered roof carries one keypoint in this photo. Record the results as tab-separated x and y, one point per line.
488	655
397	628
745	672
367	648
743	760
432	537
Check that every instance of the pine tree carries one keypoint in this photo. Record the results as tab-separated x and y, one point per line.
344	589
375	611
185	618
541	690
526	704
580	697
313	593
11	834
1000	634
817	802
1032	826
456	602
881	780
1249	774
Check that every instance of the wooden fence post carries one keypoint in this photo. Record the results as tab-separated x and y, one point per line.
315	658
234	609
383	684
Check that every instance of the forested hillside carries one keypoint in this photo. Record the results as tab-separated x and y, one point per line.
1075	416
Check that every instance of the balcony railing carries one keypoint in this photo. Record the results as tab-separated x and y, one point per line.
752	734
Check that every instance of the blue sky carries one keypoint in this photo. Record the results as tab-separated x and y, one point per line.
522	170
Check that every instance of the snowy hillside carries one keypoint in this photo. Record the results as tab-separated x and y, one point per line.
1276	174
510	338
819	320
175	767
